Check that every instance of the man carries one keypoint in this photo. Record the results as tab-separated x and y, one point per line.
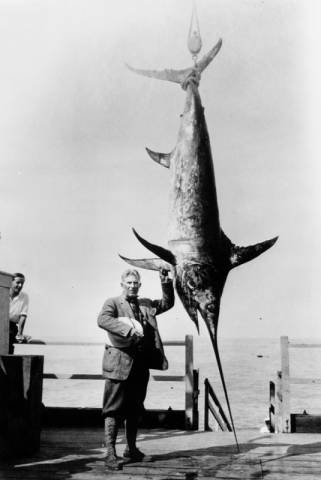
18	310
133	347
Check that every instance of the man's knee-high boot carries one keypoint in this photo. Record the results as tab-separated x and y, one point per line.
131	433
111	430
131	453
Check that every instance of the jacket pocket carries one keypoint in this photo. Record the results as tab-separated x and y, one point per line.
111	359
116	364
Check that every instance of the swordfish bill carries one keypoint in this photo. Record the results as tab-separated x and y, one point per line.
198	253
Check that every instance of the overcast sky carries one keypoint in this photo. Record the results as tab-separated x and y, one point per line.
75	177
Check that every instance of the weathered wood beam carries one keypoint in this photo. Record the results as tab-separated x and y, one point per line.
5	284
91	376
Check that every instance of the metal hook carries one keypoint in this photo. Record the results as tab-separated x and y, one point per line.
194	41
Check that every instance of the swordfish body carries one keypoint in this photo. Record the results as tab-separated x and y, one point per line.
199	254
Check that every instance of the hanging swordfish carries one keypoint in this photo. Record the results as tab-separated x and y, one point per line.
199	253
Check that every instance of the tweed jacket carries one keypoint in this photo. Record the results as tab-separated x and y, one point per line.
117	362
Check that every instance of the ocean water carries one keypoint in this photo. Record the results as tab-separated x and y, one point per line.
248	365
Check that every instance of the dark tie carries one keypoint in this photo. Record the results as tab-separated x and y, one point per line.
135	308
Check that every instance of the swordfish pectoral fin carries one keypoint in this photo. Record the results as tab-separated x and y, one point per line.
242	255
239	255
161	158
161	252
147	263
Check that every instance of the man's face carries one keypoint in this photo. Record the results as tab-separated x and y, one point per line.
17	285
131	286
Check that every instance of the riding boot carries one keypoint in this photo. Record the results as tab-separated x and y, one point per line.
111	430
131	452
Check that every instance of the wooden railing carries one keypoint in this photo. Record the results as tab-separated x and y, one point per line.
190	378
281	419
221	421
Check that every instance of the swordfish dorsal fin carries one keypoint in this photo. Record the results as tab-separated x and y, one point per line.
161	158
179	76
147	263
157	250
239	255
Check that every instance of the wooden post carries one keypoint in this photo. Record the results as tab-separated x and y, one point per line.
189	387
21	404
285	386
195	419
5	284
206	407
278	403
272	407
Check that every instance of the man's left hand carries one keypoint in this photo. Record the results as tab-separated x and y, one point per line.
163	275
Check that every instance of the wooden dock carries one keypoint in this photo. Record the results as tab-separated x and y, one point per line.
77	454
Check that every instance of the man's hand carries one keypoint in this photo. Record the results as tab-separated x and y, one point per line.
136	337
163	275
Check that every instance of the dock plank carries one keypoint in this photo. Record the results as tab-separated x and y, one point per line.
77	454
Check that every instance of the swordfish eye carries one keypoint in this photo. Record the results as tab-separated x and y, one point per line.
191	284
187	279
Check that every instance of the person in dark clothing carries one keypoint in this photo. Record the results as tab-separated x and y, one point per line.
133	346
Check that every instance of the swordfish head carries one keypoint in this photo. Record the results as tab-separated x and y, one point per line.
199	287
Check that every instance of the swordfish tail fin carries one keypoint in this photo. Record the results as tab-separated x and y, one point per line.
218	359
179	76
161	252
